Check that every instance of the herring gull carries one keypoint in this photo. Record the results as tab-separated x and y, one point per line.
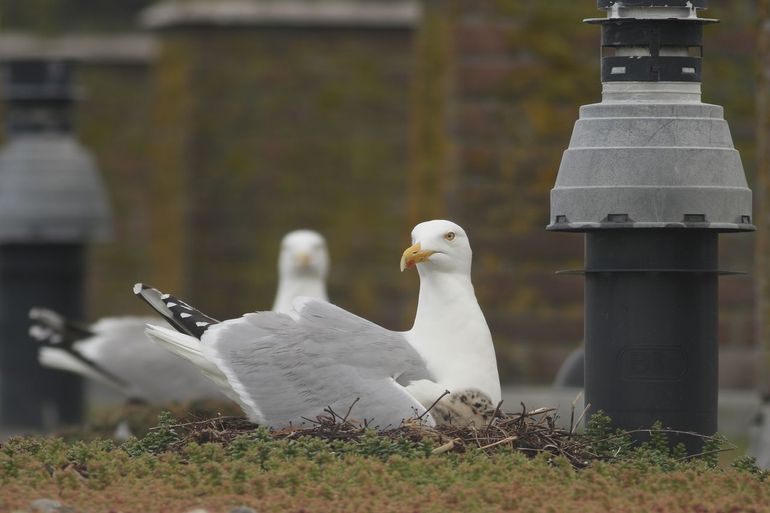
115	351
286	368
759	434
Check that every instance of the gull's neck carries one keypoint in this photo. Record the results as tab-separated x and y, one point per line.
441	294
450	332
290	287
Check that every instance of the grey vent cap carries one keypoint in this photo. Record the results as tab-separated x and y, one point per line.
50	191
698	4
646	165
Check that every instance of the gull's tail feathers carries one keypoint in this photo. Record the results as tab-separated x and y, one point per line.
64	360
53	329
179	314
189	348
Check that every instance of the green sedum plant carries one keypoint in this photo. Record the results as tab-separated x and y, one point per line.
165	471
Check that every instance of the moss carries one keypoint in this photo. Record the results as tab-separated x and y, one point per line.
374	475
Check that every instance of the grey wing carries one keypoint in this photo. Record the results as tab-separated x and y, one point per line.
290	367
156	375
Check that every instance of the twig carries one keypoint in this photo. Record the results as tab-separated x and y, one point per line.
194	423
444	448
706	453
585	410
446	393
665	430
540	411
350	409
495	414
572	425
500	442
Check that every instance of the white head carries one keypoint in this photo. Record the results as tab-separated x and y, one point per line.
303	253
438	246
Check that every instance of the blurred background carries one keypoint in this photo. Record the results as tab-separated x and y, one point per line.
220	125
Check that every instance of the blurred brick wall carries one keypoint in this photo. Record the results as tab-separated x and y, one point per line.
729	80
232	137
258	131
113	122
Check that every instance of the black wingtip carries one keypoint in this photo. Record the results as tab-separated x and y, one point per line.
52	328
177	313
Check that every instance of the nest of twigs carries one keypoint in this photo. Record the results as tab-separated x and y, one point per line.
529	431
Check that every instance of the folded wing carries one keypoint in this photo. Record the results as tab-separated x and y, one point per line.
289	367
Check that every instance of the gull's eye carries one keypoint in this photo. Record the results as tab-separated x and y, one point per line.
450	236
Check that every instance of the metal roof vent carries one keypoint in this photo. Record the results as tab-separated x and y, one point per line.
50	188
652	177
651	154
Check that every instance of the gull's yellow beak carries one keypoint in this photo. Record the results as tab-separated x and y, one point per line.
414	255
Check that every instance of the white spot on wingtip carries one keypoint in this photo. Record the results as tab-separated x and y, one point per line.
165	296
185	315
201	324
39	332
170	304
137	288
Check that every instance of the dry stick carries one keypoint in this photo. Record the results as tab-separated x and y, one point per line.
333	413
706	453
446	447
494	415
585	410
651	431
501	430
342	420
572	425
193	423
350	409
511	438
476	436
446	393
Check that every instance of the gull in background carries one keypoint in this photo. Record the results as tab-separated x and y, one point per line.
303	265
759	433
285	368
116	352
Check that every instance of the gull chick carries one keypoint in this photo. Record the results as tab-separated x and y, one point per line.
285	368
